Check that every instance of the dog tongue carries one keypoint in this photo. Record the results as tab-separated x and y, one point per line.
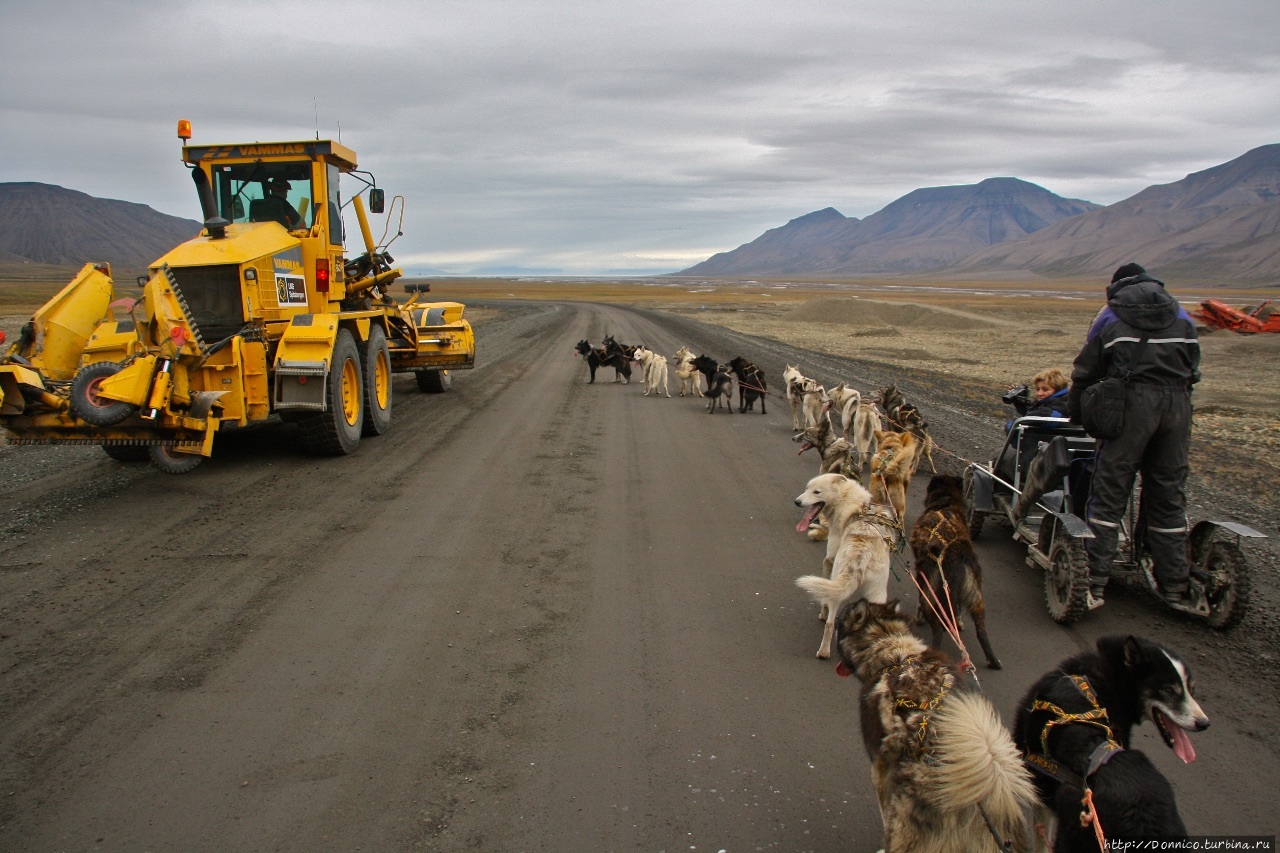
810	514
1181	743
843	670
803	447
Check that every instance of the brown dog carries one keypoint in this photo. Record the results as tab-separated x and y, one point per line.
946	563
891	469
946	772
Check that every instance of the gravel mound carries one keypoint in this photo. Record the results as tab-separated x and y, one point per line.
852	311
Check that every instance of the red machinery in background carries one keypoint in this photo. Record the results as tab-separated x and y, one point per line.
1219	315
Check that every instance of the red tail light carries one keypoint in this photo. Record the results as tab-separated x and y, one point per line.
322	275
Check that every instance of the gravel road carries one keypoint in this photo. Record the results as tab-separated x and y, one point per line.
538	614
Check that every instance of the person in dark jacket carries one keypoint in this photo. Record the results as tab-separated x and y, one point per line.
1157	425
1046	397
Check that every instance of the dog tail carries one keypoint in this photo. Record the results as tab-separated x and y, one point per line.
978	765
821	589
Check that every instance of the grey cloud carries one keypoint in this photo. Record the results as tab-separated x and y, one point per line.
586	134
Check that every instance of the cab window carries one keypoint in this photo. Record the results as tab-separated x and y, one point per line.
335	207
265	192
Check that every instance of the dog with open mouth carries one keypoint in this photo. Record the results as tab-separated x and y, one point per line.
858	548
1073	728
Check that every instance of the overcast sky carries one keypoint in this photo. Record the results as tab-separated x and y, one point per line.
642	136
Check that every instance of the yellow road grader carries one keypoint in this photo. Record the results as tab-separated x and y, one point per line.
261	315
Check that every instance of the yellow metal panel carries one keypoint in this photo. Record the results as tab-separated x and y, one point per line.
131	384
109	344
11	377
67	321
244	243
256	390
313	342
222	372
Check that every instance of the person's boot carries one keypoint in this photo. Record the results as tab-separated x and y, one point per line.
1096	588
1176	596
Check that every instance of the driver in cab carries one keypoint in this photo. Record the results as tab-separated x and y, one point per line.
275	206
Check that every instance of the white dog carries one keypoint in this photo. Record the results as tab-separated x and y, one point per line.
690	378
794	382
844	400
859	419
655	370
857	561
811	394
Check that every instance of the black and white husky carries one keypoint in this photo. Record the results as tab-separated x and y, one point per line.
1073	729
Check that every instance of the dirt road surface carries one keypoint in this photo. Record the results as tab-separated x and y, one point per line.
539	614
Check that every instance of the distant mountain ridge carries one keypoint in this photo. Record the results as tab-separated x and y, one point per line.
49	224
1222	223
926	229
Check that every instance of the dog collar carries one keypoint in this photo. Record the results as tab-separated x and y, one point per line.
1101	754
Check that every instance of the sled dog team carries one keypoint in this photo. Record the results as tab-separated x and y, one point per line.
948	775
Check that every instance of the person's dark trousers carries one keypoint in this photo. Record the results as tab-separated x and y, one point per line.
1157	434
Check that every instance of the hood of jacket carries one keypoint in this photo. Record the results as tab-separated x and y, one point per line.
1142	302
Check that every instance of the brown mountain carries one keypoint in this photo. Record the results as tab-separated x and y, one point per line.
47	224
795	246
924	231
1221	224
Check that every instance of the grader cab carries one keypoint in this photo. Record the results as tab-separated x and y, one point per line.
263	314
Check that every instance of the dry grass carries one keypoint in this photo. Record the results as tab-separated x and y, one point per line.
975	337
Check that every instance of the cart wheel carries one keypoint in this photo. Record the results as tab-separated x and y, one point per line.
972	518
434	381
1066	581
1227	589
171	462
85	402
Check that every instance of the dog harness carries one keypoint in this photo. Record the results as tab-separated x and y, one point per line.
946	543
926	707
1096	716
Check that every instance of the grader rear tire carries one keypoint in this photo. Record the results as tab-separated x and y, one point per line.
336	432
434	381
375	361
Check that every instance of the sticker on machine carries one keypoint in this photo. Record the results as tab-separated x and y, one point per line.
291	289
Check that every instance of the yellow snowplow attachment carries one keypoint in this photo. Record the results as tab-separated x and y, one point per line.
67	321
